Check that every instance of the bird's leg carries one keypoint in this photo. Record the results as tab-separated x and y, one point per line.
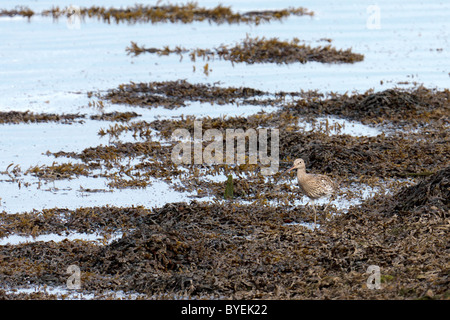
325	209
315	214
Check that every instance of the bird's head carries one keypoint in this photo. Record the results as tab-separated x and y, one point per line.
298	164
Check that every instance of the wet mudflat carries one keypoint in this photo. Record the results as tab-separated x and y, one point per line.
228	231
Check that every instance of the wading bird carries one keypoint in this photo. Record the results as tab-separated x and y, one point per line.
314	186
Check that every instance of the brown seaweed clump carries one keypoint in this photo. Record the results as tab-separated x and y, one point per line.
17	11
58	171
115	116
31	117
396	106
16	117
432	194
256	50
101	220
173	94
187	13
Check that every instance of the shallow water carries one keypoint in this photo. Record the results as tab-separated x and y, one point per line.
71	194
73	236
333	125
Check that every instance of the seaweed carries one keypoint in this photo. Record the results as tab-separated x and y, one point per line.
175	94
186	13
18	11
398	106
256	50
15	117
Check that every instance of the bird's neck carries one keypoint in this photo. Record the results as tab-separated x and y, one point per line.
301	174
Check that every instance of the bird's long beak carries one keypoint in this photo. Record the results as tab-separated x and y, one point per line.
287	171
284	174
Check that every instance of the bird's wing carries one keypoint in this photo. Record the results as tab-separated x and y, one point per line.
327	183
